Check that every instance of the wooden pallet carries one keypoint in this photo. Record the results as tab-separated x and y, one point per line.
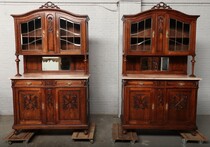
118	135
83	136
195	137
21	137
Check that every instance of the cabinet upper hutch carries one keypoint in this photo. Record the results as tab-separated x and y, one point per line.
52	92
157	91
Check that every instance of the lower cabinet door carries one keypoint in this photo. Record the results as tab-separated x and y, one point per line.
71	106
28	106
138	105
181	108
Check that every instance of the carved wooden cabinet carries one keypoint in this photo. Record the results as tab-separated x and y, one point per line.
165	104
157	91
52	93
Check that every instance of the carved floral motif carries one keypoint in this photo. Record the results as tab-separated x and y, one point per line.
70	101
30	102
140	101
178	102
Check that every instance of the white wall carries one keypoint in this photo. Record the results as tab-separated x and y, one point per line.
105	36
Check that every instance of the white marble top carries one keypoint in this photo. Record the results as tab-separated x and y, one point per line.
158	77
51	76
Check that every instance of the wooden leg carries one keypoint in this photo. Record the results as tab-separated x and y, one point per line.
17	132
86	132
124	131
194	132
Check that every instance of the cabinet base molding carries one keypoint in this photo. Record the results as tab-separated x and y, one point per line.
54	127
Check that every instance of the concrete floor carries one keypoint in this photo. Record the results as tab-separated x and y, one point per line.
103	136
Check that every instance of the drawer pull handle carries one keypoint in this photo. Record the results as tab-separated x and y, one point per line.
69	83
153	106
141	83
167	106
57	33
181	84
28	83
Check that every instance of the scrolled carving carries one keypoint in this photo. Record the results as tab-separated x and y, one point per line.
49	98
160	24
49	5
161	5
50	23
160	98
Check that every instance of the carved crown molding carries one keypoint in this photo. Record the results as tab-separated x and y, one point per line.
49	5
161	5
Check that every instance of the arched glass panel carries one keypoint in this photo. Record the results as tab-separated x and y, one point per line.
141	35
31	34
179	35
70	35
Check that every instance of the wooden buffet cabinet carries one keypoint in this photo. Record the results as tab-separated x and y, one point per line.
52	93
157	91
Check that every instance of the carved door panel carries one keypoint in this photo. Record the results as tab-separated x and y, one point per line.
138	105
28	105
71	106
180	108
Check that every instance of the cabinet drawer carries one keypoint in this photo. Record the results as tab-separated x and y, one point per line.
140	83
28	83
70	83
181	83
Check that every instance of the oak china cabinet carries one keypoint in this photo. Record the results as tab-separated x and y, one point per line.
52	92
157	91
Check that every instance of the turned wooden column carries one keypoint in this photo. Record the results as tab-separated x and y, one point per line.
124	65
86	65
17	60
193	66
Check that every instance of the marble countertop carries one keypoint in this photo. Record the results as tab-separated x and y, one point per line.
158	77
51	76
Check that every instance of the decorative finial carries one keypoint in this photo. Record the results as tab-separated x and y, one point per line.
49	5
161	5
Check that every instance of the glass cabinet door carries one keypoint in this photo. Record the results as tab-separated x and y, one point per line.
141	36
70	35
178	36
31	35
